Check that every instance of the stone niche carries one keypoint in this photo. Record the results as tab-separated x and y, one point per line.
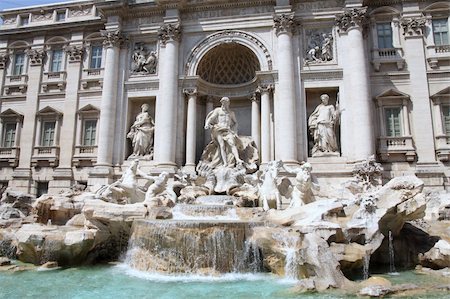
312	101
134	108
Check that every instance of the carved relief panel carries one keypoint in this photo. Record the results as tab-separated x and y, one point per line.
144	59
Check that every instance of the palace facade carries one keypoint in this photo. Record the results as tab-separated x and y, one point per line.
74	75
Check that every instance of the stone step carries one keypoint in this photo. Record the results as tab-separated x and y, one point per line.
215	200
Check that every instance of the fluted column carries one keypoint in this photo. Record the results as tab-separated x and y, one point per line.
191	126
421	114
111	43
284	109
264	90
167	102
357	103
255	121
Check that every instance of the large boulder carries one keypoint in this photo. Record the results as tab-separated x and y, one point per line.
437	257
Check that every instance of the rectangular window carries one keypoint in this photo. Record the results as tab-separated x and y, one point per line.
446	119
24	20
48	133
90	131
384	33
60	16
42	188
19	63
9	134
56	60
393	121
440	32
96	57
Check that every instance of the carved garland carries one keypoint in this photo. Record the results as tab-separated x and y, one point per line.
228	36
169	32
284	23
413	26
355	17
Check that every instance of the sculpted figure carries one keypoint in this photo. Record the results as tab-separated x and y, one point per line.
327	51
144	62
322	124
302	188
313	55
141	133
223	125
268	189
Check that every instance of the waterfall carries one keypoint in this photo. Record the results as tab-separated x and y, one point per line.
392	269
366	263
200	247
291	246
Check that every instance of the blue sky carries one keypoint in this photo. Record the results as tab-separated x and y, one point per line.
6	4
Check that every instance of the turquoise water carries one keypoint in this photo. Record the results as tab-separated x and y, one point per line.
121	282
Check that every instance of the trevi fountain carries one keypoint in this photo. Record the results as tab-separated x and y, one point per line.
231	228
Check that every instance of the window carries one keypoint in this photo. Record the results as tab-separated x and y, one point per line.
48	133
440	32
96	57
19	63
393	121
446	119
24	20
56	60
89	132
9	135
384	33
42	188
60	16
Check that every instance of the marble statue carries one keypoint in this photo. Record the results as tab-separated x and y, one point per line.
322	125
327	50
268	189
161	191
302	188
141	134
124	190
228	156
320	47
143	62
368	173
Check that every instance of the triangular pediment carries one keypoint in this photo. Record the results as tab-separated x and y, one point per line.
442	94
89	109
10	113
49	111
392	93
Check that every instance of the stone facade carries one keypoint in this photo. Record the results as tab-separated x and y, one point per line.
74	78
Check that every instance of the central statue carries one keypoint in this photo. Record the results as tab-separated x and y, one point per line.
227	154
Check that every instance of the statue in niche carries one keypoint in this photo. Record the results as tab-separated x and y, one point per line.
143	61
141	134
227	154
322	125
320	47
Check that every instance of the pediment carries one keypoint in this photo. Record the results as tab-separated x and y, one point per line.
49	111
89	109
10	113
392	94
442	94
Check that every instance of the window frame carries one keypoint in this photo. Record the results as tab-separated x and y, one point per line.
10	116
14	65
97	58
388	132
9	142
439	42
93	135
52	60
60	13
52	142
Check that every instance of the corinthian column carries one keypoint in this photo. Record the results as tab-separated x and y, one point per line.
255	121
357	127
112	42
191	127
167	102
264	90
284	108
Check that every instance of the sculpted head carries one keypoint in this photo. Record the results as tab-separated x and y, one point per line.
225	101
145	107
324	98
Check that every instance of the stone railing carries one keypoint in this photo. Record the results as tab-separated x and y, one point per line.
400	147
10	155
55	76
93	72
437	53
85	154
45	155
16	79
92	78
387	55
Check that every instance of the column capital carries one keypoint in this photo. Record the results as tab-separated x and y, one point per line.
284	23
351	18
191	91
112	38
36	56
254	98
169	32
3	59
265	88
413	26
75	52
